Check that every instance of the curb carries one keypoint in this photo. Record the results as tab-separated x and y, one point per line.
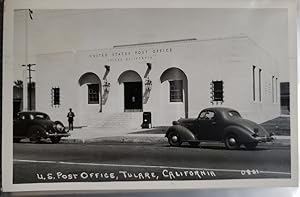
117	139
146	140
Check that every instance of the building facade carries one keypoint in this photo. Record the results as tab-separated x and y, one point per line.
170	79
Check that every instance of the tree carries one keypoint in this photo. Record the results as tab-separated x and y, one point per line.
18	83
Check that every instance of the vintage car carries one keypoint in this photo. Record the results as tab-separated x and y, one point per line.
37	125
218	124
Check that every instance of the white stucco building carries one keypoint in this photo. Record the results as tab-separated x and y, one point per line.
171	79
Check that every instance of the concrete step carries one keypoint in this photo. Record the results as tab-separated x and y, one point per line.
114	120
279	126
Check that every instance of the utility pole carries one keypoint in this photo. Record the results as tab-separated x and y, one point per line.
30	84
28	14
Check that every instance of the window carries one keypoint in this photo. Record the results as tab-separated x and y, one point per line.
176	91
22	117
285	96
93	94
40	117
217	93
202	115
234	114
31	117
253	82
207	115
55	92
259	78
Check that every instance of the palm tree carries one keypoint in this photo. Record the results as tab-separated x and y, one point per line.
18	83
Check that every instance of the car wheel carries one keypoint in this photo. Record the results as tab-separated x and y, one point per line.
231	142
174	139
55	140
251	145
35	133
194	144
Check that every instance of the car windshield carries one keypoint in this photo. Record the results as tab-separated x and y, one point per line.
234	114
39	117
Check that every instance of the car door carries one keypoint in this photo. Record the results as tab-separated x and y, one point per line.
207	125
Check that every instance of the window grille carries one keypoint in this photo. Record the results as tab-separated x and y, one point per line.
93	94
217	93
55	96
176	91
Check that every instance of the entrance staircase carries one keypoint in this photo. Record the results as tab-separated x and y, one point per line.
128	120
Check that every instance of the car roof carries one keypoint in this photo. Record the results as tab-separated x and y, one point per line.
220	109
31	112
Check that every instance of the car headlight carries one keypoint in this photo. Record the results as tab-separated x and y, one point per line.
59	127
175	122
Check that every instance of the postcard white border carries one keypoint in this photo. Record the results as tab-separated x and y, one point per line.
7	145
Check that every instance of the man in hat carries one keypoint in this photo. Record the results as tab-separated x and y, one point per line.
71	116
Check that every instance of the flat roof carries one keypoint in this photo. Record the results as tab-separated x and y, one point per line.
158	42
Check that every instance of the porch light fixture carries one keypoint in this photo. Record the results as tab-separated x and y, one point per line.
107	67
106	86
148	84
149	65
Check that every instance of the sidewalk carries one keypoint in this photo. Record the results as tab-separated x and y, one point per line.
114	135
122	135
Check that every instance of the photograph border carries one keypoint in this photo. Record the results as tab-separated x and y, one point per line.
7	118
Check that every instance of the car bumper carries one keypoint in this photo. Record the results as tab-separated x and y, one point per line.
265	139
58	134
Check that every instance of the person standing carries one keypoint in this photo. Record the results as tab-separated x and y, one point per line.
71	116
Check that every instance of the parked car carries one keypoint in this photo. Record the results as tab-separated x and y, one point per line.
37	125
218	124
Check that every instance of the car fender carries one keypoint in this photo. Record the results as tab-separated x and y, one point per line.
41	129
243	134
184	133
59	122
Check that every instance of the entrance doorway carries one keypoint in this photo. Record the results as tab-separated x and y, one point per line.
133	91
133	96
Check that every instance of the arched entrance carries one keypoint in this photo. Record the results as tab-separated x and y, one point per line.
133	91
91	90
178	87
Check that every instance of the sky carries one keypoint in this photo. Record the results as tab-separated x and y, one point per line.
53	31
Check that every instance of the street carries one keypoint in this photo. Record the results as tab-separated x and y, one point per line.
96	162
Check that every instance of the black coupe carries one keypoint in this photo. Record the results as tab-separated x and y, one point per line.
218	124
37	125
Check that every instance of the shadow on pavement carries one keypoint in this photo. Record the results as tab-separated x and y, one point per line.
216	147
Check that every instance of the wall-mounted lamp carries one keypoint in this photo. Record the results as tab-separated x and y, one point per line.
149	66
148	84
107	67
106	86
